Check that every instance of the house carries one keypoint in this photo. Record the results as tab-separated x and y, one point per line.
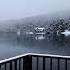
39	31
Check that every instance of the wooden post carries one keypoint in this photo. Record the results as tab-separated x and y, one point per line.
27	62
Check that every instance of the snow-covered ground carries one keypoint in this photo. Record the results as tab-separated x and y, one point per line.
66	32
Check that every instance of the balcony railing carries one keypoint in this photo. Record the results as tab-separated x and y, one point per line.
31	61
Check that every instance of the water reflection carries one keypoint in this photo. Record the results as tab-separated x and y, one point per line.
39	37
12	45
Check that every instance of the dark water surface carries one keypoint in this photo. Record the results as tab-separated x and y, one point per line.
12	45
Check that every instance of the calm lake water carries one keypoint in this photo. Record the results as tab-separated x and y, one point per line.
11	45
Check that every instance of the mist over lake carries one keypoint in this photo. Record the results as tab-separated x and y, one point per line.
19	36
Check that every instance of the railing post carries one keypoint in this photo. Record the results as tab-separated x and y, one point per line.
27	62
0	66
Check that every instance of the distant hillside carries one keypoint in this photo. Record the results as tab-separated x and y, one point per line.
34	21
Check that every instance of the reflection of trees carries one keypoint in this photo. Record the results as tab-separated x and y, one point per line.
52	27
58	26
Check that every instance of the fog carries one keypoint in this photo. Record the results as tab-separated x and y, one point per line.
17	9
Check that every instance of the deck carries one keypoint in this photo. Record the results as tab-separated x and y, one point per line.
40	62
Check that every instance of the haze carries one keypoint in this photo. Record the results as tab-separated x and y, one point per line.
17	9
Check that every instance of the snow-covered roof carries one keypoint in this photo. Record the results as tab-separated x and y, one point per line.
40	28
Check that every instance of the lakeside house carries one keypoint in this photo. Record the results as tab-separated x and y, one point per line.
37	33
39	30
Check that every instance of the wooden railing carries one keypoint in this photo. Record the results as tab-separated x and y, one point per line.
31	61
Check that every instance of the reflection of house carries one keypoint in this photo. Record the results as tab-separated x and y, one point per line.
39	31
39	37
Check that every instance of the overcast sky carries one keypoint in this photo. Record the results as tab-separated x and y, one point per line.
17	9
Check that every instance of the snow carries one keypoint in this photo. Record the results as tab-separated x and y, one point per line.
66	32
18	32
29	33
40	28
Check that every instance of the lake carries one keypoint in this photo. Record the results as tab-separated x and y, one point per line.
12	45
